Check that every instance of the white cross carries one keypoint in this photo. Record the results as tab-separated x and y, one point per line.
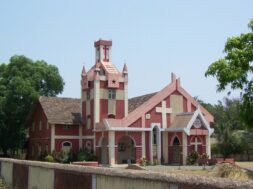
164	112
196	143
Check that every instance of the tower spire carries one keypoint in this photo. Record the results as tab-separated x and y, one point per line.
84	72
125	70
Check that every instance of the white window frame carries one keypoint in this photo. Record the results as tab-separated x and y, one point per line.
67	127
111	94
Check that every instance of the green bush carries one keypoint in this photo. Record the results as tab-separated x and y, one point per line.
192	158
49	158
143	162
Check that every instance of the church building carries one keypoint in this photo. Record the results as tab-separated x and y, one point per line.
164	126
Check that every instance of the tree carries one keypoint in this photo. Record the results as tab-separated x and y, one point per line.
21	82
229	141
226	126
235	70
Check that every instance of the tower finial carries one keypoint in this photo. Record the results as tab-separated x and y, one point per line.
125	70
84	72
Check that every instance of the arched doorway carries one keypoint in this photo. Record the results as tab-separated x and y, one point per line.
104	151
126	150
66	146
176	150
155	142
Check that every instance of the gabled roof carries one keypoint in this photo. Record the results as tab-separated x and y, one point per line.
135	102
184	122
153	100
61	110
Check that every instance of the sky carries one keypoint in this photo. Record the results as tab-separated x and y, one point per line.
154	38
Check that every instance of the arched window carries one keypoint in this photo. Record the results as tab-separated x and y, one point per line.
66	146
176	142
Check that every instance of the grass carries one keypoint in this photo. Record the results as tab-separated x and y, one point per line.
246	164
222	170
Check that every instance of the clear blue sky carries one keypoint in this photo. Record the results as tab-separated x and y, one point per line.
154	38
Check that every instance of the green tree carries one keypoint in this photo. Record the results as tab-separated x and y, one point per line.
21	82
235	70
229	141
227	123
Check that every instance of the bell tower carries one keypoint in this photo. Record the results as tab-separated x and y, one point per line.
104	89
103	51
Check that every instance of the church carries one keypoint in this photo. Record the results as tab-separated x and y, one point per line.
163	127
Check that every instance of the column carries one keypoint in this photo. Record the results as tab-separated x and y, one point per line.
111	148
208	146
151	146
159	146
52	138
185	149
143	142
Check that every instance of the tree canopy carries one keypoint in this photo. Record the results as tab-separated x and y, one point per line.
235	69
22	80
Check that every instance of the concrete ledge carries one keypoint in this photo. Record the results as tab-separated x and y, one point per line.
180	179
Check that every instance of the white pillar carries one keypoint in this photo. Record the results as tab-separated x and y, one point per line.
143	142
208	146
165	147
159	146
96	109
126	98
151	146
111	147
52	138
185	150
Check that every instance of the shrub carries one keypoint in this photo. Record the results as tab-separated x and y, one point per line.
143	161
192	158
231	171
49	158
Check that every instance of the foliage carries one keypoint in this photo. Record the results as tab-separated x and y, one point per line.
143	161
86	155
231	171
65	156
227	125
229	141
192	158
21	82
235	70
247	143
49	158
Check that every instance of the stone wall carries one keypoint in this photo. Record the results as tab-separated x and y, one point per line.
22	174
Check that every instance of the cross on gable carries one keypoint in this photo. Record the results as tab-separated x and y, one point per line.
164	111
196	143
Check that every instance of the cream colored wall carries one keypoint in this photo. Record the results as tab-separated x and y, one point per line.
6	172
120	95
176	103
112	107
40	178
105	182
